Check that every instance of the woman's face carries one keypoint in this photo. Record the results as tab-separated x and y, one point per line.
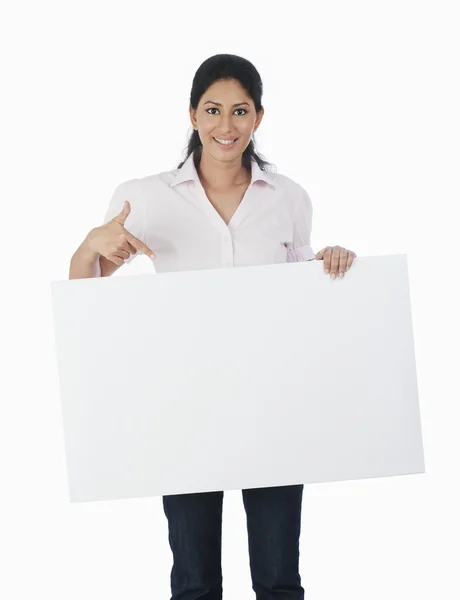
218	116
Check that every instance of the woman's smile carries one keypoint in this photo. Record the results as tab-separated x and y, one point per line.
225	143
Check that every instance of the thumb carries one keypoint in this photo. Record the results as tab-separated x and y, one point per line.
121	218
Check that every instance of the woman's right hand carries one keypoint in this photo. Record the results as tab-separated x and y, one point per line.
114	242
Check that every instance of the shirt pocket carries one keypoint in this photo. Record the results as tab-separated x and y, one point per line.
291	255
305	253
280	253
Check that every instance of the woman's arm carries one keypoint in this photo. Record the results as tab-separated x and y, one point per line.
84	263
87	263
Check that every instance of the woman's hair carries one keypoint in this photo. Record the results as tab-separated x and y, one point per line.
220	67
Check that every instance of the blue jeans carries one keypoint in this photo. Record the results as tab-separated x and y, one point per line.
273	517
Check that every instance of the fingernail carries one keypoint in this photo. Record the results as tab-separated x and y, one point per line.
326	271
340	274
333	275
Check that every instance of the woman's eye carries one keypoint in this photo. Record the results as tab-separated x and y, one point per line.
243	109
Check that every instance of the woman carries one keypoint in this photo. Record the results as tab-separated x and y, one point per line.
219	208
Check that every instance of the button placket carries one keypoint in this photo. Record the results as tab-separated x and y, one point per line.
227	243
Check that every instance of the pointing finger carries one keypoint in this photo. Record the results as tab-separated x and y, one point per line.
140	245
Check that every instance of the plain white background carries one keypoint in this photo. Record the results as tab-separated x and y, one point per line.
361	102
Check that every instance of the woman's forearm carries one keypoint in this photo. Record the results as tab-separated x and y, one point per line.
84	263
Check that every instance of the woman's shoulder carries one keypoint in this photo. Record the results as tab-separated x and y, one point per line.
152	179
291	191
158	181
155	180
286	183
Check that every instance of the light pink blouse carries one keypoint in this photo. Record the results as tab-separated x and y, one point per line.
171	214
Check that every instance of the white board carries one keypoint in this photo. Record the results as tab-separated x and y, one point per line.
226	379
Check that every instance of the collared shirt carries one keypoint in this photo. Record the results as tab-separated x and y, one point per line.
172	215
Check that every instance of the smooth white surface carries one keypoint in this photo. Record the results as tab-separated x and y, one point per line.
237	378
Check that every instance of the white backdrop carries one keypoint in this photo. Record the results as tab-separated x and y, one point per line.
361	108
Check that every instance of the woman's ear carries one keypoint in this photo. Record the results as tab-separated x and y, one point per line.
259	119
192	113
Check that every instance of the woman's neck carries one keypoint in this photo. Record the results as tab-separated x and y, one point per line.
220	175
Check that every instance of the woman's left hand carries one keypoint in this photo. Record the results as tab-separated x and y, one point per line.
336	259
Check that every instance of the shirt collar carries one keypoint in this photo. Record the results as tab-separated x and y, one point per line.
188	172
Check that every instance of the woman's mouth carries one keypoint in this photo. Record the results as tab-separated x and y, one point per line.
225	143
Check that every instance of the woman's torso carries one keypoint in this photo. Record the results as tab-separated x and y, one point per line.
190	228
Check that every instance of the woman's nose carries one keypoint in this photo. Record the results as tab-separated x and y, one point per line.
226	122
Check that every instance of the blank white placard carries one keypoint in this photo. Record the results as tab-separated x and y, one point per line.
224	379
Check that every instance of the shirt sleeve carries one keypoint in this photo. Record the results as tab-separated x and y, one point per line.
135	221
301	249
